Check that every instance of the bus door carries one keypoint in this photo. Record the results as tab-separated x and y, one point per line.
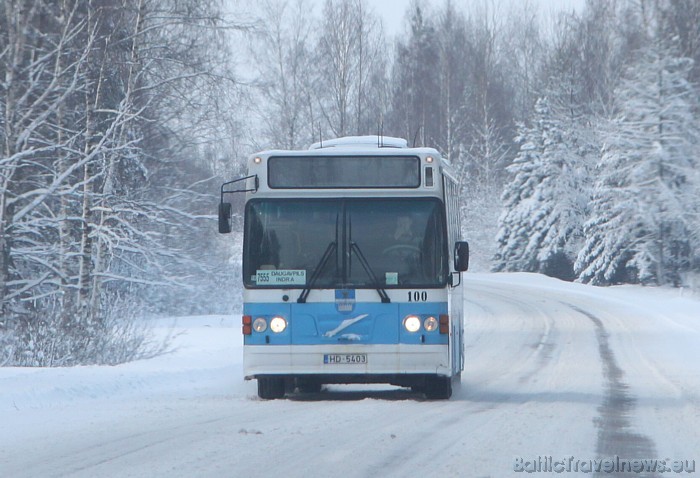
456	301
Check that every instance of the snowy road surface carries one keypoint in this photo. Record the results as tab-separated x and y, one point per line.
553	369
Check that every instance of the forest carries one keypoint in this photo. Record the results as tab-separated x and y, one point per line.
576	139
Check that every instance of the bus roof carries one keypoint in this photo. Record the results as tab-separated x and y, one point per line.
362	142
369	145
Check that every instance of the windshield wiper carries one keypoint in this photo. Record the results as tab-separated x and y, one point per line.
370	272
330	250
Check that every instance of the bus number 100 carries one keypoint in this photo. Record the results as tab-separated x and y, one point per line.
416	296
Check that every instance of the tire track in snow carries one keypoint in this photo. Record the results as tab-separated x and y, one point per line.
543	346
447	420
615	437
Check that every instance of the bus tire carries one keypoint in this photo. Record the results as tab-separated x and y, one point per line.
306	385
438	388
270	388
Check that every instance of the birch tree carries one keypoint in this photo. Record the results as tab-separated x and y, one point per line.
41	80
283	54
454	76
349	53
99	107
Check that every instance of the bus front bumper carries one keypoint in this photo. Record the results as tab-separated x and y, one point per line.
347	360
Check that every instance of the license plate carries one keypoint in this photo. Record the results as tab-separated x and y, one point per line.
345	359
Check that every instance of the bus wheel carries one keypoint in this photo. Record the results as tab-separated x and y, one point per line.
308	386
438	388
270	388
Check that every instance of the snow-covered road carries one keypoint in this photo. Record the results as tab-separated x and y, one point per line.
553	369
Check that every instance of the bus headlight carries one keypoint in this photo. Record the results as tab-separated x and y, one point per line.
430	324
260	325
278	324
411	323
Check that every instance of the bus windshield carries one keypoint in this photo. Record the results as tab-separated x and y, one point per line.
290	243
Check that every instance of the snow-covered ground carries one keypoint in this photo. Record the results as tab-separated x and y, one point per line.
553	369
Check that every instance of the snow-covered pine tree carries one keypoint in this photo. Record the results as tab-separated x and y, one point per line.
517	197
641	228
545	202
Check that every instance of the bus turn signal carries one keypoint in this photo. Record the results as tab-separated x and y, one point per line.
444	324
247	325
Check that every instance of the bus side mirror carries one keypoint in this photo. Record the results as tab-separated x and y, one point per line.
224	217
461	256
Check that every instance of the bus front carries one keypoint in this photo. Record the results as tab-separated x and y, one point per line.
346	272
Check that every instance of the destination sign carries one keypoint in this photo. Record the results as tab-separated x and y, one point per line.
280	277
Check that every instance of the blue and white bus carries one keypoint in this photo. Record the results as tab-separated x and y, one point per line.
351	266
